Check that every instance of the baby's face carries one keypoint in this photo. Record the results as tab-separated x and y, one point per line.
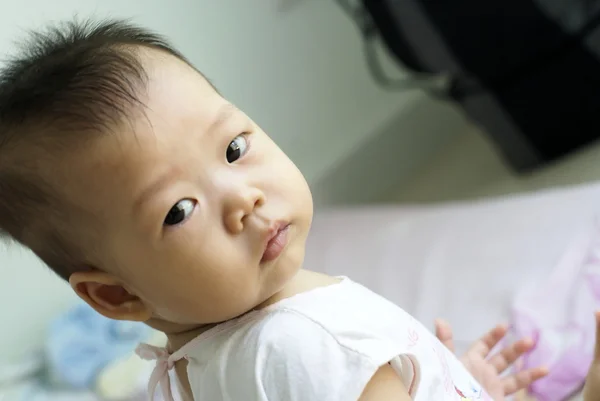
188	199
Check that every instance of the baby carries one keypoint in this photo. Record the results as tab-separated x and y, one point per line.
160	202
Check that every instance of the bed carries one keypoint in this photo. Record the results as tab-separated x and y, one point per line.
465	262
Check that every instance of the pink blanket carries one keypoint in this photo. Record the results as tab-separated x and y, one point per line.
559	314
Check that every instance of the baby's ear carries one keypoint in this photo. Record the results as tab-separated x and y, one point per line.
107	296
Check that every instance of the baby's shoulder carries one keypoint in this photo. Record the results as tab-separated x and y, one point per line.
342	329
307	331
280	330
284	346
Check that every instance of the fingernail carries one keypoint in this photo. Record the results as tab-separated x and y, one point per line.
528	341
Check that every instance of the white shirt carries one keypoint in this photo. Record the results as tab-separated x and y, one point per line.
324	344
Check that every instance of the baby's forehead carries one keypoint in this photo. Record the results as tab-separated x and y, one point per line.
170	78
178	97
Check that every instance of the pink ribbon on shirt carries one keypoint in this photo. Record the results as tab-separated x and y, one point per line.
160	374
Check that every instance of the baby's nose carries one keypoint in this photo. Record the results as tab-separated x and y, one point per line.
239	205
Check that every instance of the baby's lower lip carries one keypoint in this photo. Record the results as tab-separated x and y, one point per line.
276	245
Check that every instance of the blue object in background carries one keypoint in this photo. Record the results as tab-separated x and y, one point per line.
37	391
81	343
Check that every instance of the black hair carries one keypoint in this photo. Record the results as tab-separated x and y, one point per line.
71	79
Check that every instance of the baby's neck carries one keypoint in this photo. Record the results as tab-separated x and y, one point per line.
177	340
303	281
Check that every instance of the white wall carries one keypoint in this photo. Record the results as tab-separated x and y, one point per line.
384	163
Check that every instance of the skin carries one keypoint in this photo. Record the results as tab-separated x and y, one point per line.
591	391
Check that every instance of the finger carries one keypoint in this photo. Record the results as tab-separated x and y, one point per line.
523	379
489	341
509	355
443	332
597	346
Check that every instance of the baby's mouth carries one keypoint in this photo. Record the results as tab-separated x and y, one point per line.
276	242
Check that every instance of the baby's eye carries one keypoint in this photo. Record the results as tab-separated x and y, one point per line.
237	148
180	212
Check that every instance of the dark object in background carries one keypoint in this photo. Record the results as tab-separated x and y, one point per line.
528	71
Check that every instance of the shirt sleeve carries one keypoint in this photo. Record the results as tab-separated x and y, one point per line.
292	358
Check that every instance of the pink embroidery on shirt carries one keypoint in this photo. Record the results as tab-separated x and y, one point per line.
413	337
460	394
448	383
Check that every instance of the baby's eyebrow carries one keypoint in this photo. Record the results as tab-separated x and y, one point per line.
225	112
161	181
